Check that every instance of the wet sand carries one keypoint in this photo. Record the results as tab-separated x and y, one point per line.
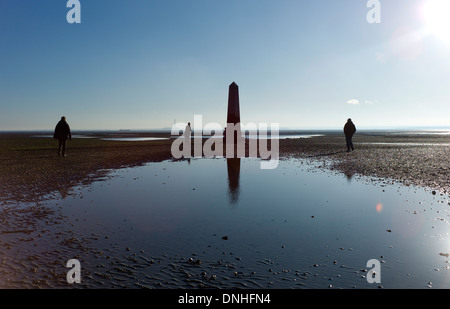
36	236
421	160
31	171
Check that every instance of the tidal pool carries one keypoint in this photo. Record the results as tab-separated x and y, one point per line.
225	223
134	139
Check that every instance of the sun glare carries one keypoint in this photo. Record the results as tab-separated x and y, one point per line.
437	20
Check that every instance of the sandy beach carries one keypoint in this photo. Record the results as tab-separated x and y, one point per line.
50	213
411	159
31	170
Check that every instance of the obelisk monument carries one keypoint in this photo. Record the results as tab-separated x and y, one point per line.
233	127
233	116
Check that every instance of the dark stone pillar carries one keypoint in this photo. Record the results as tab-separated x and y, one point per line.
233	125
233	116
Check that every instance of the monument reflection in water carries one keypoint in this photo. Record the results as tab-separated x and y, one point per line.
234	170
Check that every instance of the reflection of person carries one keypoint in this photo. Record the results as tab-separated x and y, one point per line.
62	133
349	131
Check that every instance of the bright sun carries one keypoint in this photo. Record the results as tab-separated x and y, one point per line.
437	20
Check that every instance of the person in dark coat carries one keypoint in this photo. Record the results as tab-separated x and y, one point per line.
187	131
62	133
349	131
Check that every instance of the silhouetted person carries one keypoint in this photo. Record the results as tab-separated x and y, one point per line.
187	131
62	133
225	136
349	131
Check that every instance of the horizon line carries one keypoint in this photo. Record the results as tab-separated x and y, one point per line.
365	128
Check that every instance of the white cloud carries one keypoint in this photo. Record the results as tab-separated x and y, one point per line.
353	101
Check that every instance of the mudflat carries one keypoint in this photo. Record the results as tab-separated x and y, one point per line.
30	168
412	159
42	229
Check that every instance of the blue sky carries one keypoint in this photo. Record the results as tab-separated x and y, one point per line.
142	64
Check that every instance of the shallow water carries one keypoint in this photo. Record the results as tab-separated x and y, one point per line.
225	223
134	139
406	144
73	136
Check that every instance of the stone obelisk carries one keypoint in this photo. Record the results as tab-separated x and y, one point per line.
233	127
233	116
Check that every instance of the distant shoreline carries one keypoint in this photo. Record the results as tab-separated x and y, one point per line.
284	131
167	133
